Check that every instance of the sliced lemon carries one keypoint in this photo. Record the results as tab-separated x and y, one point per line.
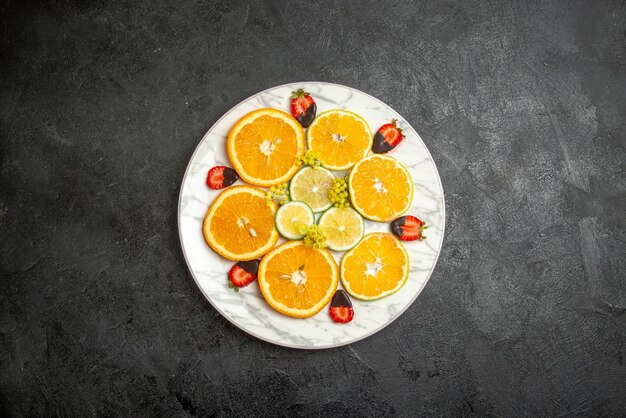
344	228
291	217
311	186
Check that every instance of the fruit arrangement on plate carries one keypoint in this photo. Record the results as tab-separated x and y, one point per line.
314	189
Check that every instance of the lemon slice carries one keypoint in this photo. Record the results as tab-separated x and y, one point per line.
291	217
344	228
311	186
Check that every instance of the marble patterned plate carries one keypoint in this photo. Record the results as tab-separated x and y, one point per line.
247	309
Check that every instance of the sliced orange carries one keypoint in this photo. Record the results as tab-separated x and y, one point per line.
381	188
377	267
239	225
264	147
340	137
297	280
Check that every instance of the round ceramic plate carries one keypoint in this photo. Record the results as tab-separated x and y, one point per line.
247	309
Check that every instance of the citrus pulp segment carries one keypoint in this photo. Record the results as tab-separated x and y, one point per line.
297	280
377	267
264	146
239	225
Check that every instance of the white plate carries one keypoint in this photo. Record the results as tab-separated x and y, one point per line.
247	309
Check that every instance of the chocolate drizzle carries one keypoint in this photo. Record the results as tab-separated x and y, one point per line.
230	176
397	226
341	299
251	266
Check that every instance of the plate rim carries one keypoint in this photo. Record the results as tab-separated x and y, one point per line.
263	338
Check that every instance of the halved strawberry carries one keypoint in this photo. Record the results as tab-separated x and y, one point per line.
341	307
387	138
221	176
408	228
243	273
303	107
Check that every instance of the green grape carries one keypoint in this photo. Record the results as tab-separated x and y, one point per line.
278	193
310	158
338	194
314	236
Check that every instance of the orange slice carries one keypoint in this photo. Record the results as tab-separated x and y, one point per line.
377	267
381	189
297	280
239	225
264	147
340	137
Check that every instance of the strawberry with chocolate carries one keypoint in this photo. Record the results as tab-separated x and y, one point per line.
303	107
243	273
408	228
387	138
221	176
341	310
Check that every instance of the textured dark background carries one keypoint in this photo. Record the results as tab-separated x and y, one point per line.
522	105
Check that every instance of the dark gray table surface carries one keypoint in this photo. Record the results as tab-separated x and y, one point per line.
522	105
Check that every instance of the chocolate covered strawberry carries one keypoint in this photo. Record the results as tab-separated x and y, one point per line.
221	176
408	228
341	307
387	138
243	273
303	107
